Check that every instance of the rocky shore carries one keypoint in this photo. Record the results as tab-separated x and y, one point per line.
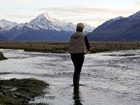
20	91
2	57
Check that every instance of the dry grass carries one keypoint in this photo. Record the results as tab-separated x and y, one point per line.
111	46
64	47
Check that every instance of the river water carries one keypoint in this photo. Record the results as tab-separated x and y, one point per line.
110	78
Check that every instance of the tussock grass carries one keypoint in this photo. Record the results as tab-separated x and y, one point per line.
20	91
64	47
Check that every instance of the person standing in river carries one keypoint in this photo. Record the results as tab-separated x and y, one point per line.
79	46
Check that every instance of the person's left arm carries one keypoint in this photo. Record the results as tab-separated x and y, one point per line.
87	43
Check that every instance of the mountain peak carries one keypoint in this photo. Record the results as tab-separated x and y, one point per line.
45	16
6	21
48	17
6	25
3	20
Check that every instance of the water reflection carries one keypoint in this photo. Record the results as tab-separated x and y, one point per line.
76	96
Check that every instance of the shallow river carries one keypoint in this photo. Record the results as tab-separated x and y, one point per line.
110	78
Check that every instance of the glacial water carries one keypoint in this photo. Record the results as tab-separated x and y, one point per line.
109	78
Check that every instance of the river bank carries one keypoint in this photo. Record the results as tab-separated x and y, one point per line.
20	91
64	47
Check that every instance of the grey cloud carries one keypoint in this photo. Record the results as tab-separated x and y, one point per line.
88	10
97	19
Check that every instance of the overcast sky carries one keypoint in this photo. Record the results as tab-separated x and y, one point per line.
93	12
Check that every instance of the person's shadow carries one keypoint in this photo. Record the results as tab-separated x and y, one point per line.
76	96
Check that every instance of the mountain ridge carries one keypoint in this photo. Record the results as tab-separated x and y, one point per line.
121	29
42	27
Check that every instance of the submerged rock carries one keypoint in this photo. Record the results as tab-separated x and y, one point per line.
2	57
20	92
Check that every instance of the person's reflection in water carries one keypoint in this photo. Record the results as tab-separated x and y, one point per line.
76	96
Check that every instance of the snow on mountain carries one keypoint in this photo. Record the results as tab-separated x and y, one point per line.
44	21
43	27
6	25
25	26
1	29
88	28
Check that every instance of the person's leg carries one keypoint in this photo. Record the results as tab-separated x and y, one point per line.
78	60
78	67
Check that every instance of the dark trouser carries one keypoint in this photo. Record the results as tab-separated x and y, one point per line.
77	60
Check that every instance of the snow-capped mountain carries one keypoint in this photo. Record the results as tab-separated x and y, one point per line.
6	25
88	28
44	21
43	27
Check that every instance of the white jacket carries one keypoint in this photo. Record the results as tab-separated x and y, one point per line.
77	43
